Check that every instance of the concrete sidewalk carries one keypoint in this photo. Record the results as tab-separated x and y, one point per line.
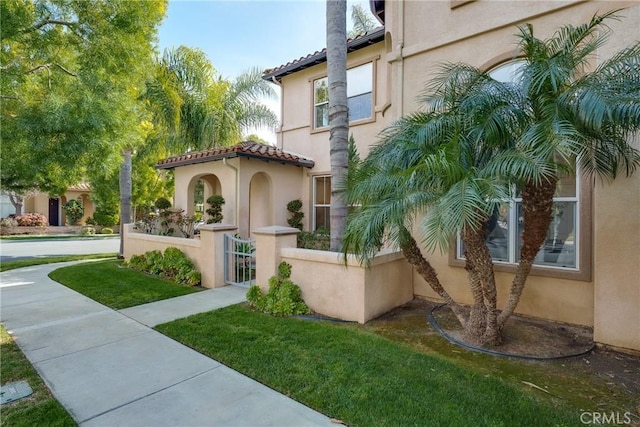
108	368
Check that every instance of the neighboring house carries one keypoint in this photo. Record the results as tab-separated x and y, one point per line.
52	207
588	274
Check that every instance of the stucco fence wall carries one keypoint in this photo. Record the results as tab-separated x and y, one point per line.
329	286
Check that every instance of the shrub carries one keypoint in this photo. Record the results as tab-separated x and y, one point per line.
214	211
9	222
74	211
32	220
162	204
294	207
106	216
90	221
106	230
87	231
284	297
173	265
319	240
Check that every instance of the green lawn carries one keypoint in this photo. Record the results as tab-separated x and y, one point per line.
58	236
116	287
40	409
10	265
359	377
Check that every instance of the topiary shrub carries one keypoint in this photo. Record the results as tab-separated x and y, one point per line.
295	220
284	297
162	204
32	220
106	230
214	211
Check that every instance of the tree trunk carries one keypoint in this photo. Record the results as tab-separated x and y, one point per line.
125	196
482	327
17	201
537	204
338	115
414	256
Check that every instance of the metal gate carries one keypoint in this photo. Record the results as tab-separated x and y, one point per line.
239	261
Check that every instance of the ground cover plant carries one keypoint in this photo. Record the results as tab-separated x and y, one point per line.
363	379
114	286
173	264
39	409
11	265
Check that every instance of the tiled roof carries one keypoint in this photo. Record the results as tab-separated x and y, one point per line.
247	149
83	186
363	40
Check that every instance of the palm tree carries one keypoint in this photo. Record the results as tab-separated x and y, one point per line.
444	170
338	115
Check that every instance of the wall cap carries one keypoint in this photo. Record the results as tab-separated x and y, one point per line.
276	230
217	227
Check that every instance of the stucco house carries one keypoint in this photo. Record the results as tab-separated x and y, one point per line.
592	278
52	207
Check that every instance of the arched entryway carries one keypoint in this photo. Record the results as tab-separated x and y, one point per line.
260	201
201	187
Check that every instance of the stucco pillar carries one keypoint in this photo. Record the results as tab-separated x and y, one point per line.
269	242
211	259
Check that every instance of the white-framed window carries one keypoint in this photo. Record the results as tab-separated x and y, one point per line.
359	96
321	202
560	249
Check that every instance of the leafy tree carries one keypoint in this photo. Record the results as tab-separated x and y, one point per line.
71	74
338	115
362	21
444	171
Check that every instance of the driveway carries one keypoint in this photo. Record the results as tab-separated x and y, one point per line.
13	250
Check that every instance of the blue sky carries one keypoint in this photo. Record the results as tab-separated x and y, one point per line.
238	35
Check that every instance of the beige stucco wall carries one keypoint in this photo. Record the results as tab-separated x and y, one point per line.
423	34
281	182
39	203
349	292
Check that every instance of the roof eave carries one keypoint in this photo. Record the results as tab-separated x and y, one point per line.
302	163
321	56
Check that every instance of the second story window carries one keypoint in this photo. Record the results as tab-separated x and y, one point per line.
359	96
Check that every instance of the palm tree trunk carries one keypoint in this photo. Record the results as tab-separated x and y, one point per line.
482	327
125	196
338	115
414	256
537	203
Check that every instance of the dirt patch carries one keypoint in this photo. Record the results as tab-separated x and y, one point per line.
523	336
600	380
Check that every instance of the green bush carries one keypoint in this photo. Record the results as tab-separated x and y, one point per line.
106	230
106	216
319	240
214	211
173	265
284	297
162	203
87	231
294	208
74	211
90	221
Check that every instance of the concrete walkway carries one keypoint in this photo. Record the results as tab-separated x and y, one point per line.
108	368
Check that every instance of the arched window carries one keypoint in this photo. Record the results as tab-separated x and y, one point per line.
561	249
